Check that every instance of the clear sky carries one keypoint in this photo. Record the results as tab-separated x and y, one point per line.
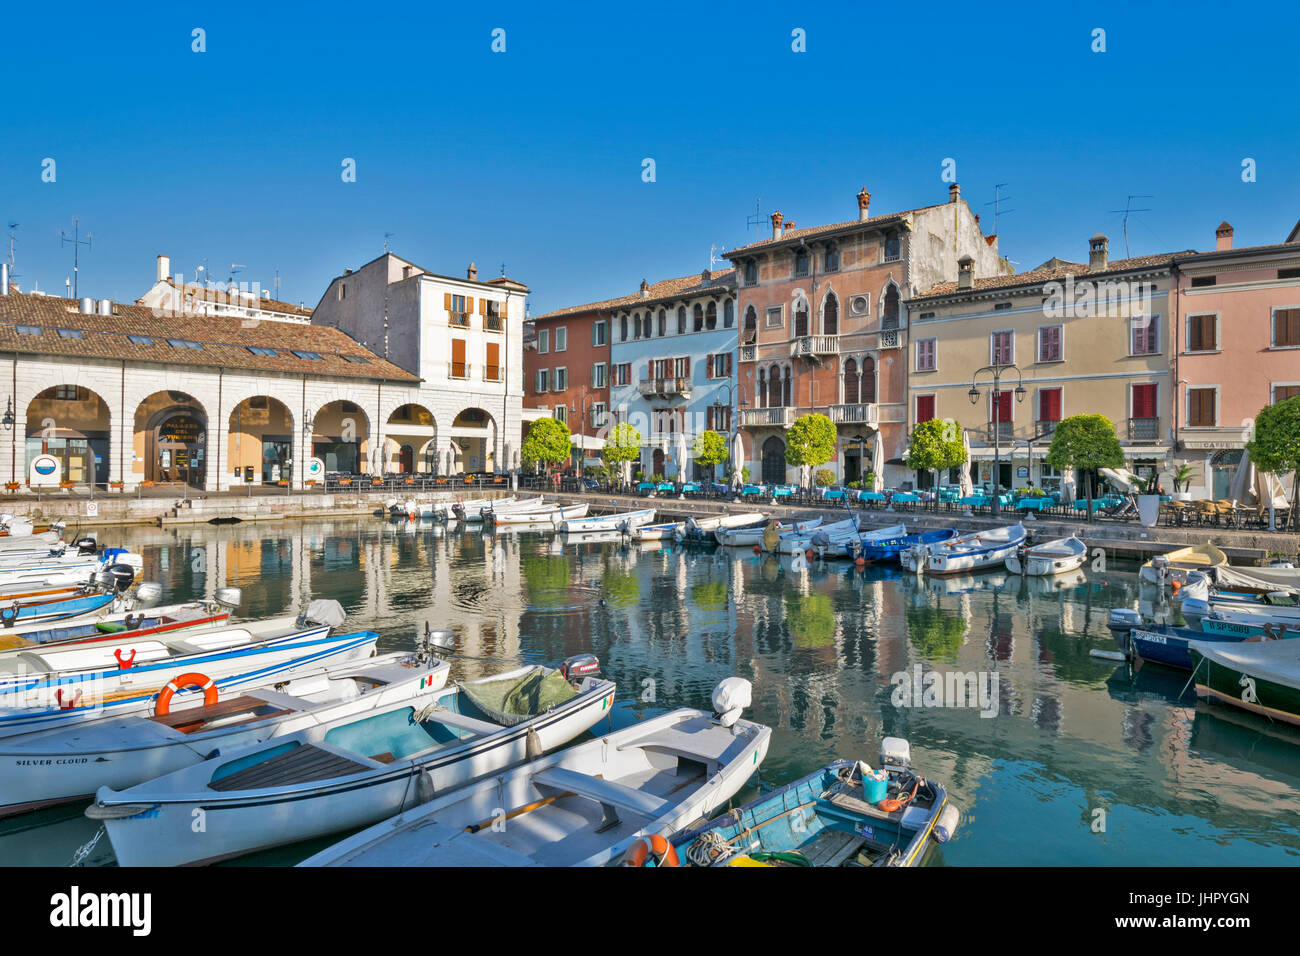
534	157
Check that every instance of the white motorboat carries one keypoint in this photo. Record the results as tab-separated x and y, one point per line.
1051	557
613	800
1174	566
750	536
827	539
550	514
621	521
969	552
351	772
121	752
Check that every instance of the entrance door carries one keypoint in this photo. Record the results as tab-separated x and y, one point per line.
773	461
406	460
180	450
657	462
852	466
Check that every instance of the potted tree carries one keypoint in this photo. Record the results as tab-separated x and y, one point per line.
936	446
810	442
1148	503
1087	442
1182	481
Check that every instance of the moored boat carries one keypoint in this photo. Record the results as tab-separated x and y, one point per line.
1174	566
886	549
1051	557
121	752
1261	677
844	814
969	552
350	772
618	799
620	521
824	540
749	536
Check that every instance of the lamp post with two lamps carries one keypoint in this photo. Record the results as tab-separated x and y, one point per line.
974	394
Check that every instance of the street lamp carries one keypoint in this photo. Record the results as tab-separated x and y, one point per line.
974	396
8	420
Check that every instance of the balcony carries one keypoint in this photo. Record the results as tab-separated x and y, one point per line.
1046	428
1144	429
1001	431
853	414
766	417
748	353
458	370
666	388
891	339
491	373
812	346
493	323
459	320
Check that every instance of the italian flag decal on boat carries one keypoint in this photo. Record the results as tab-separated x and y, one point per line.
426	681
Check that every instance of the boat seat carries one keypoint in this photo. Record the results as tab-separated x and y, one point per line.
464	722
603	791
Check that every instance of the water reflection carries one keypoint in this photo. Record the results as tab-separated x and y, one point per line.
823	645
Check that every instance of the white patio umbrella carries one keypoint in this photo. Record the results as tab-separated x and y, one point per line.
1242	490
877	463
963	477
1267	487
1067	493
682	453
625	469
737	457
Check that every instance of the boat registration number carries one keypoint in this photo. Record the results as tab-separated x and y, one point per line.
1153	638
866	830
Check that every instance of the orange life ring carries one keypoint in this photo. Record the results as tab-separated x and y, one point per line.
555	479
640	852
191	679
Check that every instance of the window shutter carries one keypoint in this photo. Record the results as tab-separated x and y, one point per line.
482	306
494	359
505	308
446	301
924	408
728	364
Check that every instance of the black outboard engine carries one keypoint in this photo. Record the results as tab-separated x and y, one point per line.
579	666
458	510
117	576
86	545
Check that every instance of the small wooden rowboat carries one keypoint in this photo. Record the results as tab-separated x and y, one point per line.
121	752
603	802
1176	565
1052	557
349	772
975	551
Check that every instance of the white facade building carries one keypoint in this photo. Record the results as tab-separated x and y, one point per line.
172	296
463	338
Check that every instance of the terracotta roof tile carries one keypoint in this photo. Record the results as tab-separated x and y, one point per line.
225	341
796	234
241	299
694	284
1052	269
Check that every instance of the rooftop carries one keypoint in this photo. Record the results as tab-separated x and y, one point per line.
795	236
663	291
55	326
1054	268
240	298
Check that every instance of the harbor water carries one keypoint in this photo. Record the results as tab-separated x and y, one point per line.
1055	757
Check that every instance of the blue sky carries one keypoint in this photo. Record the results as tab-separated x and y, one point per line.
533	157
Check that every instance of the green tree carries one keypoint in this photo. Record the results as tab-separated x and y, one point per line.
548	441
710	449
622	444
1087	442
936	446
810	441
1275	449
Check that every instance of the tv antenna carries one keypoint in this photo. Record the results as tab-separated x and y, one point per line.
387	236
77	243
714	258
277	283
234	267
755	220
12	240
998	200
1128	210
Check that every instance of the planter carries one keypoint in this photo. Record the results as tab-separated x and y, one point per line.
1148	510
1181	496
12	485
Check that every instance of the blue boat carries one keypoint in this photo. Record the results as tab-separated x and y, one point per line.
1168	645
828	819
56	608
889	549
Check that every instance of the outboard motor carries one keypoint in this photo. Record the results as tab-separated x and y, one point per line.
147	593
116	577
579	666
229	598
730	698
821	543
458	510
86	545
895	754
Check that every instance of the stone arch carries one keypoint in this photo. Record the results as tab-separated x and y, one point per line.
340	437
472	441
889	303
749	335
74	424
259	445
171	438
830	313
412	425
773	461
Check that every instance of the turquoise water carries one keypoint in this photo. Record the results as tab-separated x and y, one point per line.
1079	763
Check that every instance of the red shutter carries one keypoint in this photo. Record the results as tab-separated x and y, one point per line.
1003	400
1144	401
924	408
1049	405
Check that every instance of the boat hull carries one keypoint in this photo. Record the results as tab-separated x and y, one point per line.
1236	688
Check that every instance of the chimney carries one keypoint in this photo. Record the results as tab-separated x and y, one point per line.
864	200
776	224
965	272
645	289
4	278
1097	256
1223	237
472	273
789	227
954	193
164	268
